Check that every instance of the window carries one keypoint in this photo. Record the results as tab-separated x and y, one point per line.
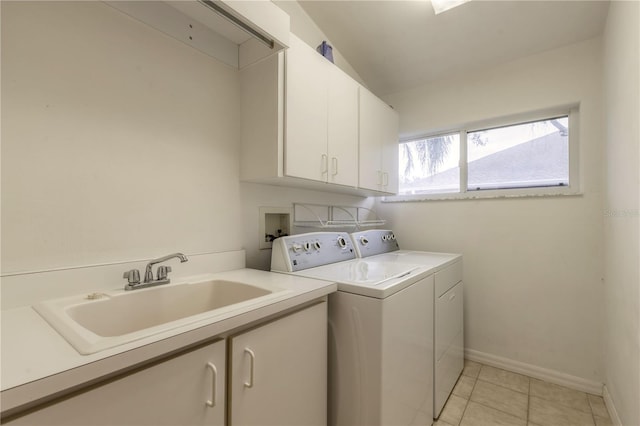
430	165
527	157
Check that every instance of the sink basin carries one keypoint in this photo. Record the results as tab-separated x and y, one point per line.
137	310
103	320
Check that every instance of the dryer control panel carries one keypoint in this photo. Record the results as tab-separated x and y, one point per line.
374	241
303	251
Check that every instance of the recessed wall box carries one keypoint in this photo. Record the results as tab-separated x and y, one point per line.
274	222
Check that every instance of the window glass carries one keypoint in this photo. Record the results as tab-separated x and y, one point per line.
430	165
534	154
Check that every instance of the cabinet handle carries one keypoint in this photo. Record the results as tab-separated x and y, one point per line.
325	164
379	177
451	297
334	165
252	355
385	178
214	378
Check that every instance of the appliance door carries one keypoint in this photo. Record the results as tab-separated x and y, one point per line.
381	357
449	344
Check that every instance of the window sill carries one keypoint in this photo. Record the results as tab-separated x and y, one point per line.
485	195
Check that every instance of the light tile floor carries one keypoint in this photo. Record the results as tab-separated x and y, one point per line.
488	396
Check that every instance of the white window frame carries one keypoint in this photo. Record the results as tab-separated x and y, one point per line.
572	111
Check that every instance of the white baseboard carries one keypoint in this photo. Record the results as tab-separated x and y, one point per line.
548	375
608	402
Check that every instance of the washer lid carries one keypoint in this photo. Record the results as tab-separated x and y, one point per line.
430	260
368	278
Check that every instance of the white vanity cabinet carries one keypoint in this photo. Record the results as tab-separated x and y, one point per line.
279	371
186	389
378	145
276	373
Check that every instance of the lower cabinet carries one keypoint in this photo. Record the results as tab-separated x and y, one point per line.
188	389
279	371
277	375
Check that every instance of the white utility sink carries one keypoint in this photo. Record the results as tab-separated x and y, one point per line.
97	321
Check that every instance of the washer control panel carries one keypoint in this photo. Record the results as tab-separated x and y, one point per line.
374	241
303	251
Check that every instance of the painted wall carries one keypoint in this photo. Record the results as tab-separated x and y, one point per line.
307	30
120	143
622	209
532	266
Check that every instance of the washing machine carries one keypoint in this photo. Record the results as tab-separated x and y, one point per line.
380	329
448	356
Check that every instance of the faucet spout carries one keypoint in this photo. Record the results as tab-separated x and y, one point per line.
133	276
148	274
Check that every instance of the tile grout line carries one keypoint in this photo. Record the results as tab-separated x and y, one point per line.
528	401
593	416
497	409
471	393
505	387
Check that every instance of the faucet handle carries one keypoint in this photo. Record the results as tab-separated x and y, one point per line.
163	271
133	276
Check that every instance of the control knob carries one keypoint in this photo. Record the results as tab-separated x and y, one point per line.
342	242
296	247
306	246
364	240
317	245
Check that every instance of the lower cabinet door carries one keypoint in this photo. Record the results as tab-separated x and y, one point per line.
187	389
279	371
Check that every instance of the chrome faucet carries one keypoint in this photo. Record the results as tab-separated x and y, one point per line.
133	276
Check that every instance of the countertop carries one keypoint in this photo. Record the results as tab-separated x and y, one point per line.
37	362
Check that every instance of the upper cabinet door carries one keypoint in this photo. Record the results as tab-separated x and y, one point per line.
390	153
378	146
306	99
343	128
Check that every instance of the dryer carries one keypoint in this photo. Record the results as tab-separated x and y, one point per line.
448	332
380	329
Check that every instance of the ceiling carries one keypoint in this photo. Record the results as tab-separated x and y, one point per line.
396	45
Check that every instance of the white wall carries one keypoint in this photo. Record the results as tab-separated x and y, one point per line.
622	209
306	29
120	143
532	266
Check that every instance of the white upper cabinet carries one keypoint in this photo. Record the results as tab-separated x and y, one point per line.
342	151
378	145
302	126
306	112
321	110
